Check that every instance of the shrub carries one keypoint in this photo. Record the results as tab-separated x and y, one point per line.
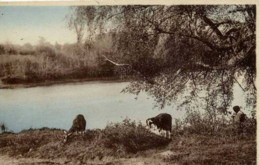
201	124
134	137
2	49
46	50
27	52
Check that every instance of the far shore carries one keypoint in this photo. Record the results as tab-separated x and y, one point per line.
60	82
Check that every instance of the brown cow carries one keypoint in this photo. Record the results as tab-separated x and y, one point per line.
78	126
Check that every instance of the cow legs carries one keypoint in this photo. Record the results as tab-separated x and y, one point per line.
82	132
168	134
66	136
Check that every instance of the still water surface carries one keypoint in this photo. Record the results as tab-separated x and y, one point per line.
56	106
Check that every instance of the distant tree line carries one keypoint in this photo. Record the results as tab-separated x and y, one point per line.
44	61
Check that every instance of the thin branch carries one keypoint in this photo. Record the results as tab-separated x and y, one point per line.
213	26
134	70
175	75
111	16
211	46
239	85
115	63
165	19
224	22
252	81
193	80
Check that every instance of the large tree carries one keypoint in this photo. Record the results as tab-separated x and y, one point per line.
202	50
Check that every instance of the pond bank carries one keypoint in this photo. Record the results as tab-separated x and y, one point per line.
59	82
100	147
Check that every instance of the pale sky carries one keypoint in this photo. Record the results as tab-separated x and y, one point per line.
30	22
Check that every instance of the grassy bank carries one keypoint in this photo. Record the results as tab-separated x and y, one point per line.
129	142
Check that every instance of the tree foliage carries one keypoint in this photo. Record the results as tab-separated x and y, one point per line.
202	50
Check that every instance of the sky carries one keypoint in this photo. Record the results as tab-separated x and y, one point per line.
26	24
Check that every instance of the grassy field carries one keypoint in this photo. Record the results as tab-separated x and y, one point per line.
126	143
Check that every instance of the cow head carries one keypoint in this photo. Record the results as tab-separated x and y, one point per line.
149	122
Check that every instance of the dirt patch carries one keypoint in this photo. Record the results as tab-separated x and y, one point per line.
6	160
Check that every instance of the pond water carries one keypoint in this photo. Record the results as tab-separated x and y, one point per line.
56	106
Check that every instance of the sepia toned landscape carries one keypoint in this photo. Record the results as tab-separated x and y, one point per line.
128	84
